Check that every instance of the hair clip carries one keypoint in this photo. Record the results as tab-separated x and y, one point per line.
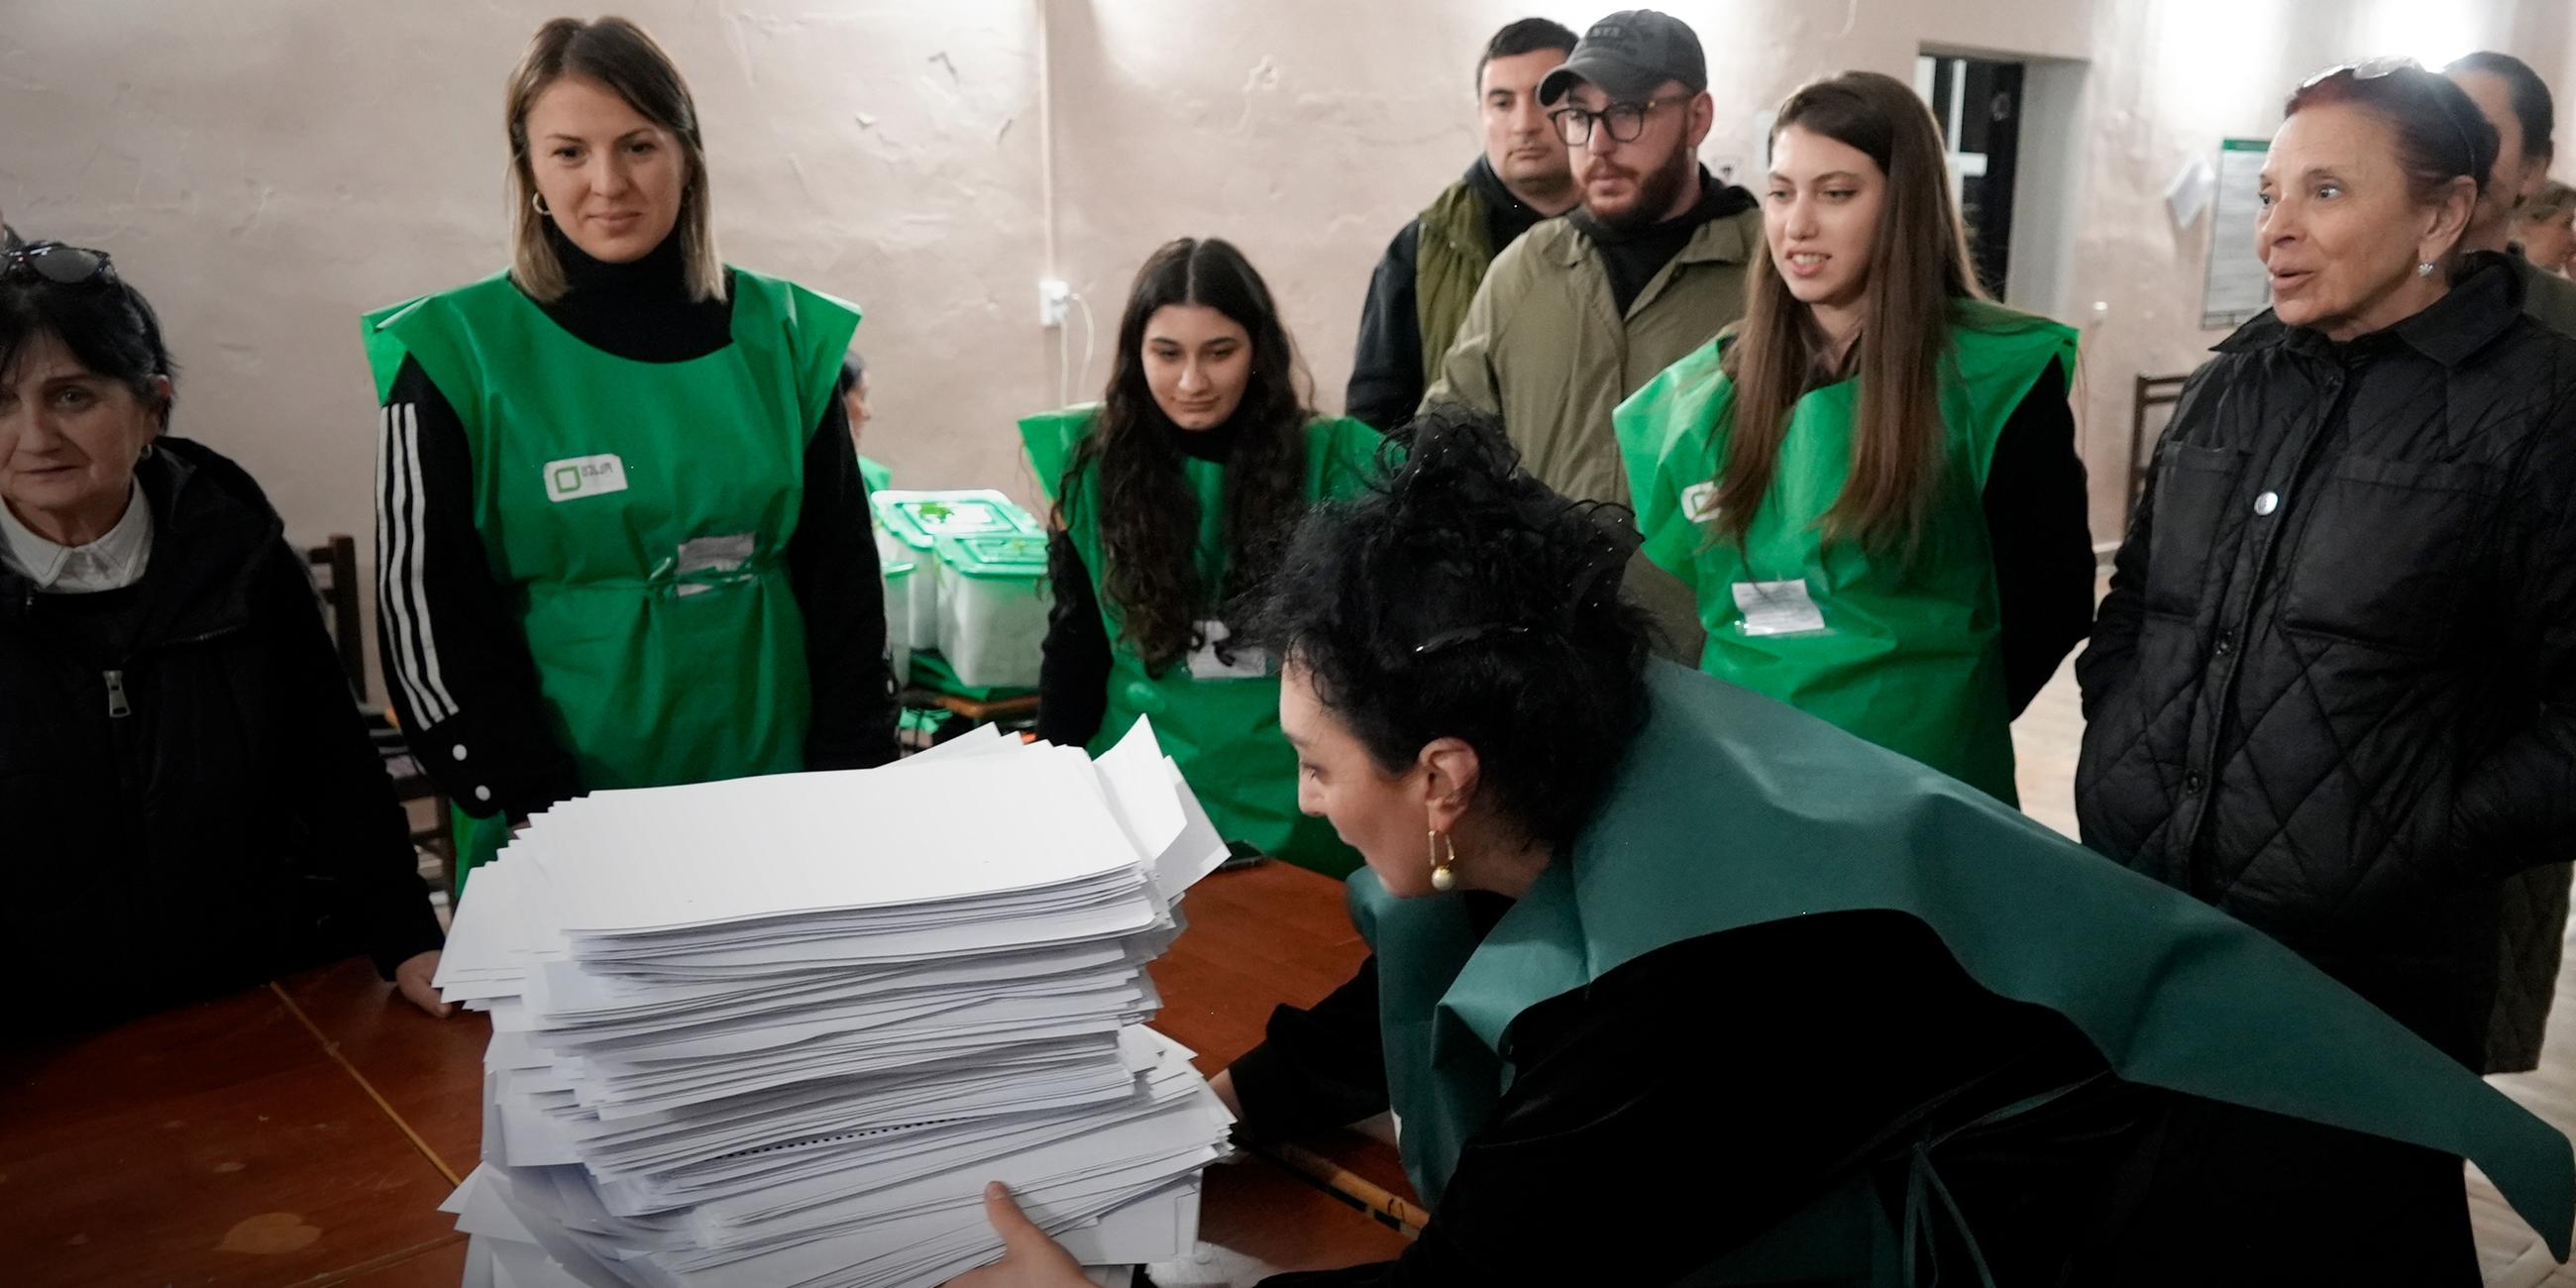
1465	635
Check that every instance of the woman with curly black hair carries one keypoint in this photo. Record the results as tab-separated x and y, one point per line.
1174	496
1678	984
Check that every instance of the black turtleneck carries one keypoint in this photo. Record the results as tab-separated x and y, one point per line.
1073	674
1632	256
484	735
639	310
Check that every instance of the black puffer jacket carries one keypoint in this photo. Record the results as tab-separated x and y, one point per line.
229	819
2333	688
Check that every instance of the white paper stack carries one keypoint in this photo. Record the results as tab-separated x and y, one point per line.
782	1030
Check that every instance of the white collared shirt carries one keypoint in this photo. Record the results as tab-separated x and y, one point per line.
112	562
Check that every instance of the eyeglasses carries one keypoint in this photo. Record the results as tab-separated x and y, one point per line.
1625	121
2374	69
57	263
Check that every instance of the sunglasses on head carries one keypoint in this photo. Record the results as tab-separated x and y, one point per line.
2366	69
57	263
2374	69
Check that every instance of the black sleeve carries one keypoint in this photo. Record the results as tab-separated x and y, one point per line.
1664	1062
344	805
1321	1067
2035	502
2109	662
832	561
2516	800
1073	671
1387	379
457	666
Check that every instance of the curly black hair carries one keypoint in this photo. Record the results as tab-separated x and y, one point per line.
1462	598
1131	462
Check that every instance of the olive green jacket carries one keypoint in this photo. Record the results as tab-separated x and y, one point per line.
2547	297
1544	345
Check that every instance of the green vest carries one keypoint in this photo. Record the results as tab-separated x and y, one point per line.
1911	655
637	516
1731	810
1224	733
1449	260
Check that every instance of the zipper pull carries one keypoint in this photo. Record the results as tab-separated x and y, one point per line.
117	707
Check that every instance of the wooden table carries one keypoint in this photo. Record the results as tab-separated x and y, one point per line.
1257	937
972	710
218	1145
305	1133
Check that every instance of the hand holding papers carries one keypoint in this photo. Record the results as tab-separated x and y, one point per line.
783	1030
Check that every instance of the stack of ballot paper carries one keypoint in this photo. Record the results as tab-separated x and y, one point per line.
782	1030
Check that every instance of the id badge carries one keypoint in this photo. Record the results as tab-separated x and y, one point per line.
1777	608
1248	663
707	560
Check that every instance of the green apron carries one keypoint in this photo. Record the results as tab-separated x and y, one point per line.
1224	733
1910	656
637	515
1732	810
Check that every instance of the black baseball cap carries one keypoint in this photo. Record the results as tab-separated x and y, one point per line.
1628	54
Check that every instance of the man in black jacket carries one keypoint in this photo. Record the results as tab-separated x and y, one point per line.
1432	268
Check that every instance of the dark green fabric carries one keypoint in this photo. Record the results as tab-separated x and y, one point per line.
1449	262
2548	298
1733	810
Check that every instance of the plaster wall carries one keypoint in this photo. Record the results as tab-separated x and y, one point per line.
267	169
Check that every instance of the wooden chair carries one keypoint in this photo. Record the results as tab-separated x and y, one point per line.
335	576
2151	393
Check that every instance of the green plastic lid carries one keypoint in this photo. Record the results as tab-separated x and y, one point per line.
919	519
1015	556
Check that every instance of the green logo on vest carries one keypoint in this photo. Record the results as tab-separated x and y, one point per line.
581	476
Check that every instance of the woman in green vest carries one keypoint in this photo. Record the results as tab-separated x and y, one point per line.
1720	994
1174	495
620	535
1872	481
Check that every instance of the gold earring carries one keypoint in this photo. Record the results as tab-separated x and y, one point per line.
1444	876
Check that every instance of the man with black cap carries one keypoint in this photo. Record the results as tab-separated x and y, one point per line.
1582	311
1431	270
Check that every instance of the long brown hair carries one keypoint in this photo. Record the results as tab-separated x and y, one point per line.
1129	471
1918	266
618	54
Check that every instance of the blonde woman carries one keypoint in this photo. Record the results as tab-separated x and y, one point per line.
621	536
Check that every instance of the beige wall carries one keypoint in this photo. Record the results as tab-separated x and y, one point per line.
266	169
